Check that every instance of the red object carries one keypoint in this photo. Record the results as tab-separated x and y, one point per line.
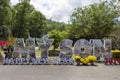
106	61
3	43
119	60
110	60
115	60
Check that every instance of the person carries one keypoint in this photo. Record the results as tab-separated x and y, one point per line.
6	52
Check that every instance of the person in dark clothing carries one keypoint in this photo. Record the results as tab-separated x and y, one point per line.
6	52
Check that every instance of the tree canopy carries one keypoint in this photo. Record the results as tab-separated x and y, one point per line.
5	16
97	20
22	11
37	24
94	21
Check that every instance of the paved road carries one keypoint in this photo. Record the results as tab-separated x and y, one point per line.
62	72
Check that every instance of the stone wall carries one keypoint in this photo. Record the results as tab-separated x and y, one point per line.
53	53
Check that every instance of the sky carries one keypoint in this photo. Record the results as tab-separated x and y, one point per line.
58	10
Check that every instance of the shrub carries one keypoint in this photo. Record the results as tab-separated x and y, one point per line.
92	58
84	61
115	53
77	58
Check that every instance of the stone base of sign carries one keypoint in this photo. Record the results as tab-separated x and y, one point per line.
37	61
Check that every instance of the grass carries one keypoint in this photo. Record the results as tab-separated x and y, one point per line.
52	47
37	52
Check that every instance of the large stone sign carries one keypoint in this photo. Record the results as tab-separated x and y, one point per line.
24	52
82	47
19	48
30	47
101	48
44	44
66	52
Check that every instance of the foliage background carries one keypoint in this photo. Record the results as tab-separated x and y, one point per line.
96	21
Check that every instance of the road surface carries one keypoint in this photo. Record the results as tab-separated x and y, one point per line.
59	72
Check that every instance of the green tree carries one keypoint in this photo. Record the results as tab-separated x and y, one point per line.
37	23
55	25
22	11
5	18
58	36
116	38
94	21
